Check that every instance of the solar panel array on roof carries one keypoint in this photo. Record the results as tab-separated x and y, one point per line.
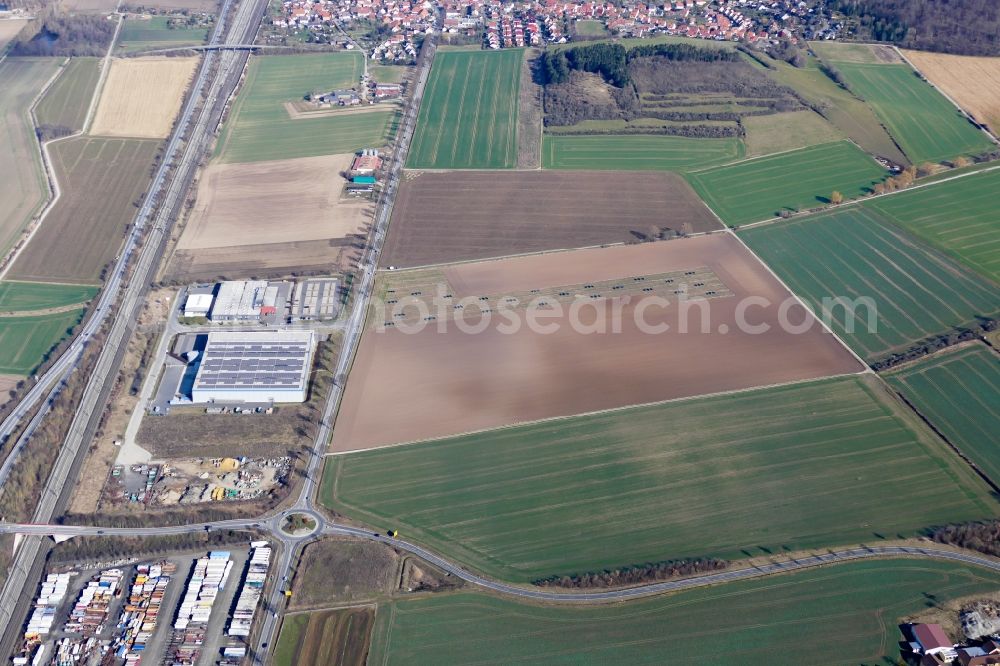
256	366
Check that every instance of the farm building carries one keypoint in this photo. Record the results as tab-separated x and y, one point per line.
255	367
198	305
366	163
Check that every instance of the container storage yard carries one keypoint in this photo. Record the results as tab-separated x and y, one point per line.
208	579
253	588
139	617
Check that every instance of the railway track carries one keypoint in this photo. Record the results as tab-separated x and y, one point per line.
217	78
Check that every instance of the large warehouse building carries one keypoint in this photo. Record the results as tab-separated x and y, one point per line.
256	367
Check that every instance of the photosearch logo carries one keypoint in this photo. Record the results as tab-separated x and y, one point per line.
602	315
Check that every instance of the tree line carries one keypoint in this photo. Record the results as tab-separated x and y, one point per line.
611	60
66	36
633	575
983	536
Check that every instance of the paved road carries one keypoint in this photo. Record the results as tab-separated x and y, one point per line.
527	592
216	79
353	330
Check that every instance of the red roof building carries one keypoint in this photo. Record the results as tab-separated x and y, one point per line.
931	638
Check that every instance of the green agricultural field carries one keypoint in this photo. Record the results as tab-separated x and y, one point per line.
637	153
780	132
66	102
101	181
925	124
260	127
959	393
842	614
25	341
845	111
154	33
22	187
960	216
748	473
468	117
852	253
28	296
759	188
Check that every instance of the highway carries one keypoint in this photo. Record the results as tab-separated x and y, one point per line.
217	78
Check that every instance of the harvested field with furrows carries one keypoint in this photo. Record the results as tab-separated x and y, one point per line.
973	82
271	260
22	187
180	5
101	180
340	637
456	216
416	385
262	203
142	96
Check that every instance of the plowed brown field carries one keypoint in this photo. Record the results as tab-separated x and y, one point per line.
441	217
271	218
429	384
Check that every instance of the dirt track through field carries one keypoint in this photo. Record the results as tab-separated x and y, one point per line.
442	217
428	384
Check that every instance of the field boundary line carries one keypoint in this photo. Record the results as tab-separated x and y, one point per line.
333	607
611	410
981	126
868	369
105	68
535	253
862	201
48	175
938	354
762	157
49	172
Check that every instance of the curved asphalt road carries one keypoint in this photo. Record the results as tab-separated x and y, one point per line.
526	592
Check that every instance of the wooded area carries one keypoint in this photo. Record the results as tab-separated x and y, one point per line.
966	27
82	35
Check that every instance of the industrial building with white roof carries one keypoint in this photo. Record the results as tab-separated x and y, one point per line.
255	367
